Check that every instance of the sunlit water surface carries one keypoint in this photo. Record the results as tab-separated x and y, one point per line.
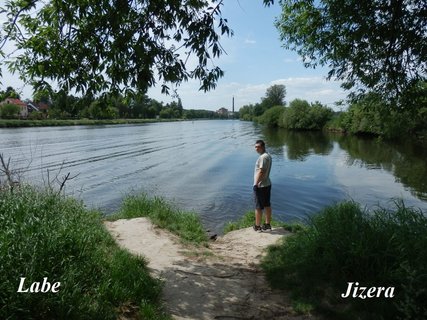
207	167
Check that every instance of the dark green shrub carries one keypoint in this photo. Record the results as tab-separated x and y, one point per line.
9	111
36	115
272	116
345	244
300	115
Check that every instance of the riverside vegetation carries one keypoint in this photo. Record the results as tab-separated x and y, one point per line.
345	243
65	110
45	234
11	123
368	115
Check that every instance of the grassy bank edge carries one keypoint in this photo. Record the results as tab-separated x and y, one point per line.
248	220
345	242
164	214
48	235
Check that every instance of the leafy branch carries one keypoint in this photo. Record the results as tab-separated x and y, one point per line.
99	46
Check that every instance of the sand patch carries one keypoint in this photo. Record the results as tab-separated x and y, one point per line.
223	281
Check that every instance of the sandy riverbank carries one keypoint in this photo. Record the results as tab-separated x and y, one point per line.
223	281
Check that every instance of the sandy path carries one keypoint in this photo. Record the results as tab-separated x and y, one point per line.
222	282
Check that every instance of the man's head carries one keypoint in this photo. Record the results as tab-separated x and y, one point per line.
260	146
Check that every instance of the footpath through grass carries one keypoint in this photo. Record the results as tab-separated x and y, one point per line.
46	235
344	243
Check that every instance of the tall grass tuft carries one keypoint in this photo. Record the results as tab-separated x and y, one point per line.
46	235
186	225
344	243
247	220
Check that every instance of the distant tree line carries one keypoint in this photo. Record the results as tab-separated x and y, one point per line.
370	114
107	106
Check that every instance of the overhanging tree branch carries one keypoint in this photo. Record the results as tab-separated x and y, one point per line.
93	46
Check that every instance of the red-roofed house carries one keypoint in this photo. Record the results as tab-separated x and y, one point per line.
38	107
23	113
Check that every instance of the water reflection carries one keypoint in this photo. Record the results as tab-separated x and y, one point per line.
299	145
406	161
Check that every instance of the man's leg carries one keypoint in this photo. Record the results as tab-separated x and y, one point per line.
267	205
258	216
258	206
267	215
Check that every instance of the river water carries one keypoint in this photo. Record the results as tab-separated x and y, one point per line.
207	167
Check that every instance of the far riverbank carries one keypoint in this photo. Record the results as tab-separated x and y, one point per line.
15	123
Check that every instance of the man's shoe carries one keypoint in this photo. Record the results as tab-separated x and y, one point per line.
257	228
266	226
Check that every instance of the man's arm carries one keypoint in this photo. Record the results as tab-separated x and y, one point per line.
259	176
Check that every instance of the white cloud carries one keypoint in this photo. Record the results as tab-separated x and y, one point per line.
249	41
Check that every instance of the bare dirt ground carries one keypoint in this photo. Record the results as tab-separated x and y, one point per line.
223	281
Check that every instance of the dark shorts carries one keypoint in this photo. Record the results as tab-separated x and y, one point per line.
262	197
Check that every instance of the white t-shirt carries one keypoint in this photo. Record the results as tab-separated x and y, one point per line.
264	162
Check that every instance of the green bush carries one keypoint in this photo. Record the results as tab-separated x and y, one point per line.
36	115
272	116
246	113
99	109
345	244
300	115
373	116
9	111
46	235
336	123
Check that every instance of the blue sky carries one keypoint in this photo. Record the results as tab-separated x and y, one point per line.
255	60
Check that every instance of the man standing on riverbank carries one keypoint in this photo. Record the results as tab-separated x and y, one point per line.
262	187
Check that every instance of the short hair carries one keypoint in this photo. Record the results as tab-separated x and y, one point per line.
261	142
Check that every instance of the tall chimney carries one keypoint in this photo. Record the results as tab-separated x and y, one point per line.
233	105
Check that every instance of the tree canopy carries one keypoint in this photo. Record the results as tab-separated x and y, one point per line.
275	96
10	92
97	45
376	45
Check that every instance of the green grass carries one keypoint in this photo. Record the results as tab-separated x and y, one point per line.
46	235
345	243
186	225
248	220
